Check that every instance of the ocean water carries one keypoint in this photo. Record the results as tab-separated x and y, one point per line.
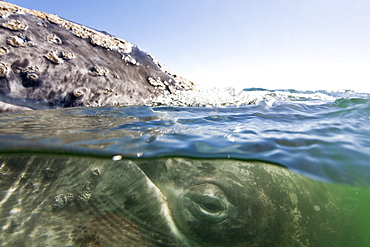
317	136
324	135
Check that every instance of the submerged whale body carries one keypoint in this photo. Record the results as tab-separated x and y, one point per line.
76	201
48	62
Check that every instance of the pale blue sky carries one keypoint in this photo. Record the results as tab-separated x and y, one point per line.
300	44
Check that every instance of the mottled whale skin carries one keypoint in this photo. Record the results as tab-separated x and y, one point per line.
48	62
56	200
236	203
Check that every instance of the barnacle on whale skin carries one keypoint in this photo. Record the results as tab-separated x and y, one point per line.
82	198
19	41
3	70
54	57
31	69
130	59
62	200
78	92
3	50
67	55
32	76
59	57
156	83
14	25
53	39
98	71
95	172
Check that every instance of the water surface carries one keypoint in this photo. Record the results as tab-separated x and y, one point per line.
197	169
324	135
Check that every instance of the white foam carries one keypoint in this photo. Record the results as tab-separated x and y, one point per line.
207	97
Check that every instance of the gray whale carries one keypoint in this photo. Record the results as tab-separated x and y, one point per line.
48	62
56	200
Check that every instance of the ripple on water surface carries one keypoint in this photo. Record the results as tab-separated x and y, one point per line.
324	135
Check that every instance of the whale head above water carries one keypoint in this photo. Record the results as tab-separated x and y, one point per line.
48	62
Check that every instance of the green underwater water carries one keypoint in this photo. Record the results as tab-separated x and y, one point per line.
69	200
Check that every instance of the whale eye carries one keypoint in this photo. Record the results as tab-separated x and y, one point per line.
207	203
